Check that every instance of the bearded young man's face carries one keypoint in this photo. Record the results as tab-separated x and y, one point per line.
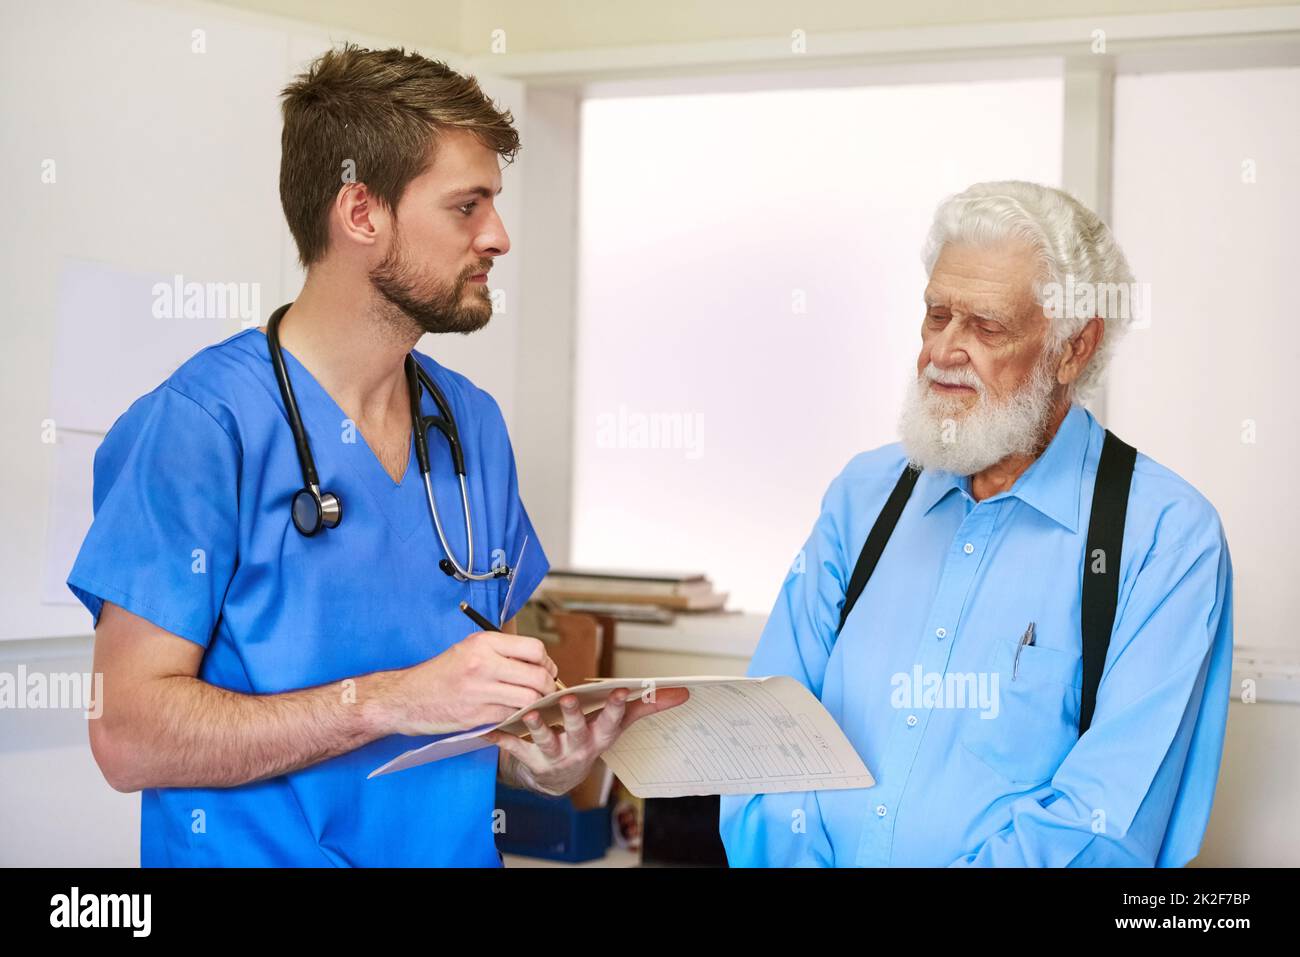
446	236
986	374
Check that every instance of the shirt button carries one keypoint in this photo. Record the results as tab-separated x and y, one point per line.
941	633
911	721
881	810
968	548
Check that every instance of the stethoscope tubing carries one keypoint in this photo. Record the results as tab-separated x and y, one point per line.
417	379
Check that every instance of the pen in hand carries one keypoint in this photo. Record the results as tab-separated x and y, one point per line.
486	625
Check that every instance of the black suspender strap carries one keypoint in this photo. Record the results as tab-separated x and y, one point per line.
877	540
1100	568
1101	564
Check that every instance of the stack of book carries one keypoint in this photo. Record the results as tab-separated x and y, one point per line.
630	595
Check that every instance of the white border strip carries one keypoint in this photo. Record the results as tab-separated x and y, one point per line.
1124	34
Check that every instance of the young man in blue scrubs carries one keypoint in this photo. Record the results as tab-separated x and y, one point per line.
253	675
957	673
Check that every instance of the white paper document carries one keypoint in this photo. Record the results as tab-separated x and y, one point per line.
733	736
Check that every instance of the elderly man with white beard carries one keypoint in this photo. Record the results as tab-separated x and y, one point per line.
1023	626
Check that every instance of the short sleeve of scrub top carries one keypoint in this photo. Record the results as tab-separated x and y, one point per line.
163	542
192	532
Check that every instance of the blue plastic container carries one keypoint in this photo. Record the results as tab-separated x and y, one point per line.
537	825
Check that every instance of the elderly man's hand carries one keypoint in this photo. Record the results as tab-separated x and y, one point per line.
556	761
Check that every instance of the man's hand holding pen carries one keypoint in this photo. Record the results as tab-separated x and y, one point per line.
556	762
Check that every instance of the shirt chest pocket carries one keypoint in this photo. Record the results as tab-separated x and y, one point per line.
1037	712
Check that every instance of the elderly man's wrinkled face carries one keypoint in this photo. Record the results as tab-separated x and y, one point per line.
986	373
981	321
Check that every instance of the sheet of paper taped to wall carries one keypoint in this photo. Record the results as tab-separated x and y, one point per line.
733	736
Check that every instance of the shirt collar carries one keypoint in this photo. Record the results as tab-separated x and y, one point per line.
1050	485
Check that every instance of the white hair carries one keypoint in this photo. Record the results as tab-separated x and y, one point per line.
1072	242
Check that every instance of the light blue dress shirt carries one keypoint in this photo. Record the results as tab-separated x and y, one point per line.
192	532
975	754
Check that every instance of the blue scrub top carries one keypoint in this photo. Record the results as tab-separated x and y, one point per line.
192	532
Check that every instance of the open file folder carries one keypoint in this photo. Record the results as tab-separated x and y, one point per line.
732	736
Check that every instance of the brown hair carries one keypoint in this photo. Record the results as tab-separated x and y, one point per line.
382	110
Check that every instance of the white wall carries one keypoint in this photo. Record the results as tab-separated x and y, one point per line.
1217	362
571	25
542	430
1220	352
164	163
1253	823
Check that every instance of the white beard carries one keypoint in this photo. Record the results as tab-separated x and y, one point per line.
937	435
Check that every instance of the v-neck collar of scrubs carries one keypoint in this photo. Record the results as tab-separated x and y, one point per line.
402	503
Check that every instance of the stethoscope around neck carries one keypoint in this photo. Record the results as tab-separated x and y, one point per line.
313	509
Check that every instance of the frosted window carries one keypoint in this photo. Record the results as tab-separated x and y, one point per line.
749	296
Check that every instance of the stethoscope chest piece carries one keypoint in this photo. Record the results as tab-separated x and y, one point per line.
313	510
